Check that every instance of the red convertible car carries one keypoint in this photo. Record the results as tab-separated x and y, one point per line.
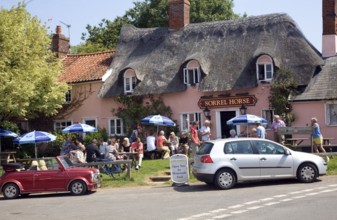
47	175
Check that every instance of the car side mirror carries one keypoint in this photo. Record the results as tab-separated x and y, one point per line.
61	168
287	152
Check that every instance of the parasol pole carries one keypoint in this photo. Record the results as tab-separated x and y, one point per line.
35	151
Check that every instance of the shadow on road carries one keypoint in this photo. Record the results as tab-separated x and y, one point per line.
195	187
47	195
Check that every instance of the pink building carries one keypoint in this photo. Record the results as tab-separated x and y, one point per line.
220	65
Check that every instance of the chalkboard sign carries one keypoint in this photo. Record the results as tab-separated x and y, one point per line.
179	168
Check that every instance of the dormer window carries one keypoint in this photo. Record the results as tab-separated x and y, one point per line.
192	73
264	68
130	81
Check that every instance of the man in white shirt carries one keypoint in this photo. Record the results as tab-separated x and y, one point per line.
205	131
150	142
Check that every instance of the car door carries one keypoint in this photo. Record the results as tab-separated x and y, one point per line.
50	180
243	159
274	163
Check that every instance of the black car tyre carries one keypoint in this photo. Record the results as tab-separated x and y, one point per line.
11	191
225	179
307	173
78	187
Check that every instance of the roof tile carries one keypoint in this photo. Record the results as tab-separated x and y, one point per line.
86	67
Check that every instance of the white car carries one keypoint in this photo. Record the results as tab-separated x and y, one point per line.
225	162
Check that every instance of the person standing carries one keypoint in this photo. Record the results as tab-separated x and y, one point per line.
260	130
151	144
195	142
205	131
102	147
278	123
137	146
317	137
67	146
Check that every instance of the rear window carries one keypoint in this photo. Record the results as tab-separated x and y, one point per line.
205	148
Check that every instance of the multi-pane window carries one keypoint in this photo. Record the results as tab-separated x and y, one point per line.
129	84
116	127
268	115
192	76
264	68
187	118
68	97
331	114
59	125
91	122
130	81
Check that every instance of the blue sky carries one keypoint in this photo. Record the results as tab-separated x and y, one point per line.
79	13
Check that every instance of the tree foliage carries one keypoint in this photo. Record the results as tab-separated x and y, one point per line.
133	109
152	13
28	69
281	88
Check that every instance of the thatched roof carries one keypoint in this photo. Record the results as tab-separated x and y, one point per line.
323	85
226	50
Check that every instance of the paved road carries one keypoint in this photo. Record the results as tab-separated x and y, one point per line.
286	199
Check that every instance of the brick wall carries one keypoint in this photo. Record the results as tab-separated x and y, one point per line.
329	17
179	13
60	43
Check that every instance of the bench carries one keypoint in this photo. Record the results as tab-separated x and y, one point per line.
103	163
7	157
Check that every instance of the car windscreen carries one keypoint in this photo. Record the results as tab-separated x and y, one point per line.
66	162
205	148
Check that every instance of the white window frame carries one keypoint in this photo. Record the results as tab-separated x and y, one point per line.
331	114
266	63
113	129
195	72
129	83
68	97
61	124
188	117
265	114
90	119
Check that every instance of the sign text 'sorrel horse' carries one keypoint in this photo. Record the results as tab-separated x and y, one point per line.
223	102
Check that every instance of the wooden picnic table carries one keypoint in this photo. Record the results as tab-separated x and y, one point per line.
7	157
296	141
327	141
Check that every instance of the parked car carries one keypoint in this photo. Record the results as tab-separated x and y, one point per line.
225	162
47	175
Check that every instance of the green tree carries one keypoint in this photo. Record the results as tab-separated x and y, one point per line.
133	109
28	69
152	13
282	87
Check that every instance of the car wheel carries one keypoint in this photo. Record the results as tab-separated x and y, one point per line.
11	191
307	173
225	179
78	187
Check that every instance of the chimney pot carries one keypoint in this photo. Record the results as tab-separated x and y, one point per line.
58	30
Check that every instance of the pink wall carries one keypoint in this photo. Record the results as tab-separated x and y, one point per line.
186	102
304	111
93	107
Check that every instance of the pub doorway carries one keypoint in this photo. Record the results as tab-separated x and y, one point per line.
224	117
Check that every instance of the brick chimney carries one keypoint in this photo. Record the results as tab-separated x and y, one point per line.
179	13
60	43
329	40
